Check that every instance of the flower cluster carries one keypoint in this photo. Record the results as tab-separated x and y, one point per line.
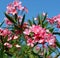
14	7
7	33
37	34
55	19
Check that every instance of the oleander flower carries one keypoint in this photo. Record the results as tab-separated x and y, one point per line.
6	32
14	7
7	45
37	34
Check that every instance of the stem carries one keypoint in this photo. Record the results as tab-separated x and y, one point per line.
2	47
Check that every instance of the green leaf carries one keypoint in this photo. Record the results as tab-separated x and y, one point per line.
1	24
23	20
30	22
15	16
44	17
39	20
34	22
57	43
5	56
51	29
57	33
31	56
10	18
52	49
34	50
14	56
45	24
18	28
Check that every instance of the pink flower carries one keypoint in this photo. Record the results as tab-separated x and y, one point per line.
40	35
30	42
16	3
42	41
8	22
9	6
9	38
8	45
6	32
15	37
14	7
13	11
50	20
19	7
35	29
27	31
52	40
20	17
25	9
55	19
1	30
58	25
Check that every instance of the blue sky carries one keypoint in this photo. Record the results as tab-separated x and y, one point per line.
52	7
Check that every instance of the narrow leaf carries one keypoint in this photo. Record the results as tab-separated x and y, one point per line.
30	22
44	17
34	21
1	23
10	18
57	43
23	20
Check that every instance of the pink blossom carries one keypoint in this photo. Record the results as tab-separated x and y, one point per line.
20	17
58	25
27	32
50	20
8	22
55	19
41	41
9	38
1	30
16	3
19	7
15	37
8	45
13	11
40	35
25	9
14	7
9	7
6	32
35	29
52	40
30	42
